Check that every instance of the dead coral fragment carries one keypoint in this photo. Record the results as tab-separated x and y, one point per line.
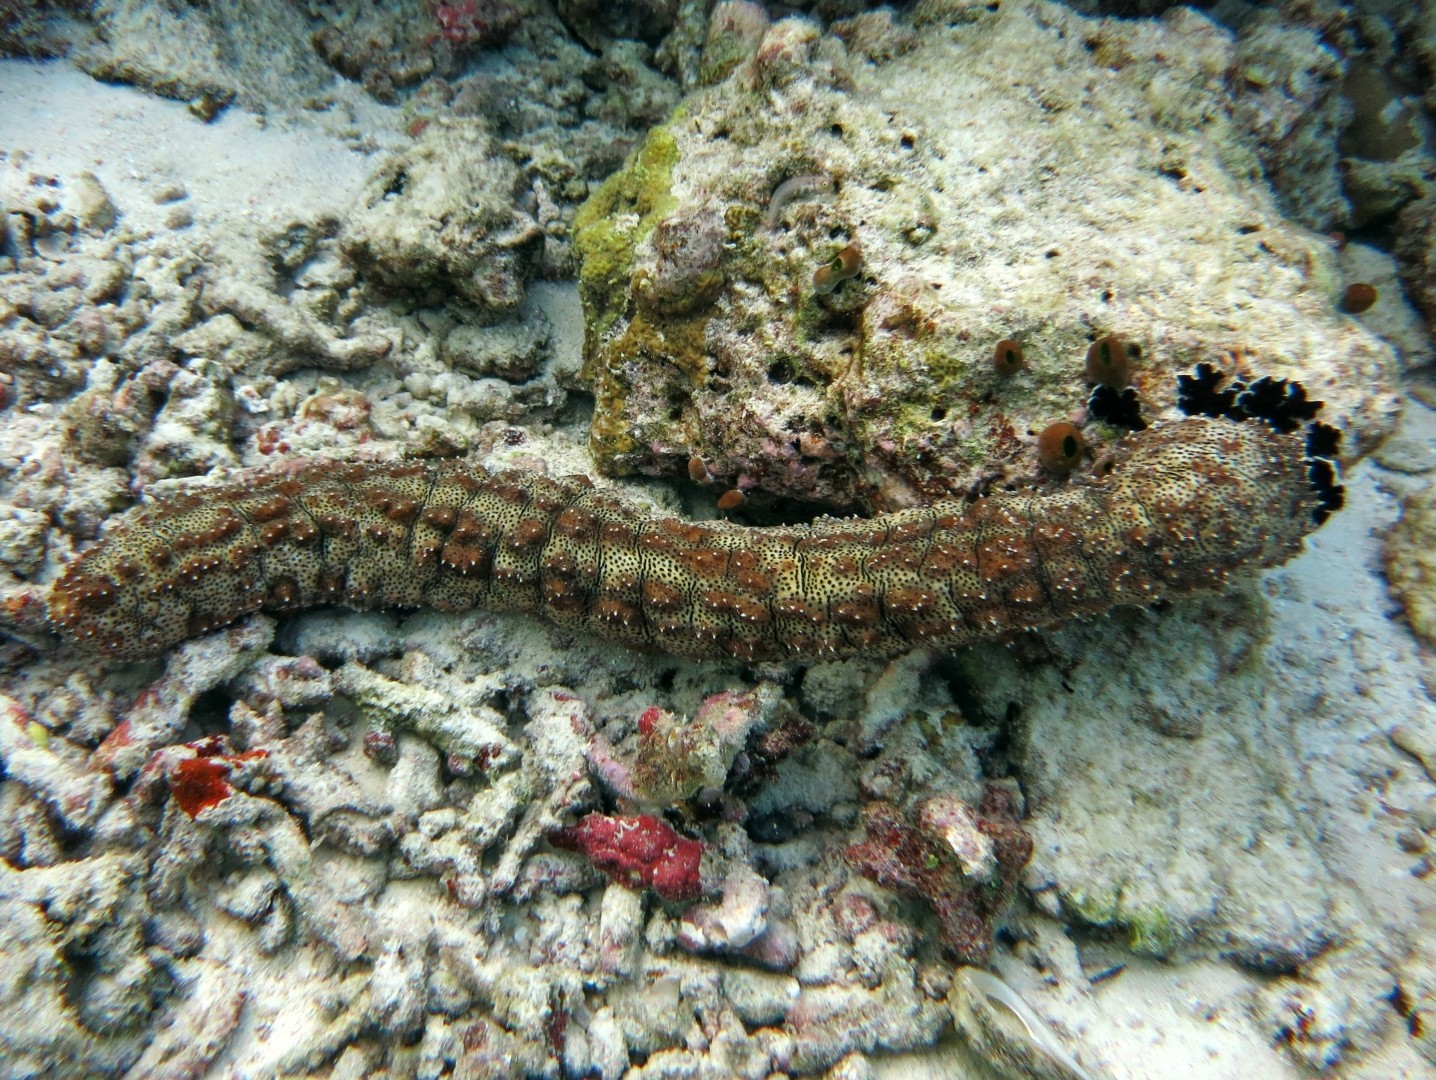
1411	563
1060	447
676	759
470	24
637	850
963	863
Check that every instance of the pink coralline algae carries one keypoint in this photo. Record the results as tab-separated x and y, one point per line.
967	875
637	850
476	22
676	759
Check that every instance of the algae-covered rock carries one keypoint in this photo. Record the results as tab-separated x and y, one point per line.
441	217
1286	90
800	277
257	53
1411	562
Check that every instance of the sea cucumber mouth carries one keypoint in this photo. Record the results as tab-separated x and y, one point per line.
1280	404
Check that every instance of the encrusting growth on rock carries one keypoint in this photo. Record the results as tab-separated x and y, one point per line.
1007	357
1108	363
963	861
637	851
1182	507
1060	447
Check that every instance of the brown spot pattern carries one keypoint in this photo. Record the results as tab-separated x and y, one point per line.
1183	506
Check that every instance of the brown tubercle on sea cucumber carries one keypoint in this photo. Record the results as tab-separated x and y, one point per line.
1184	505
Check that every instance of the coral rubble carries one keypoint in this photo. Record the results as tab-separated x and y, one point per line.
964	861
1411	562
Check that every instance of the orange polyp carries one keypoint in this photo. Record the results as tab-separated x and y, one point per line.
1060	447
1007	357
1108	363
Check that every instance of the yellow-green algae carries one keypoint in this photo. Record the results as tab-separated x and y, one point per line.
607	227
1150	930
615	219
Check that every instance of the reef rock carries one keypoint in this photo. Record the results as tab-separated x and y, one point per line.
1411	562
441	216
801	277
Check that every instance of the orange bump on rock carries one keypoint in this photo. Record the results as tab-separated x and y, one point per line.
1060	447
1007	358
1358	297
1108	363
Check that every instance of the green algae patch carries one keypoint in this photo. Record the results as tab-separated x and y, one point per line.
1098	909
612	222
1150	930
679	343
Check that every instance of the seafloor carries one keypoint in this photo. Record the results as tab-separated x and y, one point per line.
718	255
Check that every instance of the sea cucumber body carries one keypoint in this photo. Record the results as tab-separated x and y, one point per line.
1184	506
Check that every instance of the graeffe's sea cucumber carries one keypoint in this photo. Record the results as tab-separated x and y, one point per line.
1183	506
